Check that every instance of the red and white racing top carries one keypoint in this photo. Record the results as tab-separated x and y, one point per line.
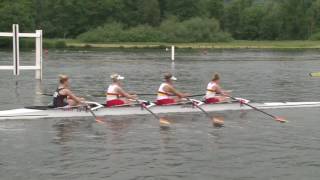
112	94
211	93
163	94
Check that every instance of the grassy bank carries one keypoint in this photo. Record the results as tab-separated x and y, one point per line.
221	45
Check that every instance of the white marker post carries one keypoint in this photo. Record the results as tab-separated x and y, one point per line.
16	51
39	49
172	53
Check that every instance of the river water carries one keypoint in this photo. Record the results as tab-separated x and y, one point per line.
250	146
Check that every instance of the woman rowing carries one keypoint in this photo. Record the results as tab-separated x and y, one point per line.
214	92
63	96
167	94
115	95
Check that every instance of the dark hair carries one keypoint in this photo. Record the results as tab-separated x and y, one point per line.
167	76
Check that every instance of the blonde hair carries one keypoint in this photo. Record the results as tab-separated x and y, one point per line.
215	77
63	78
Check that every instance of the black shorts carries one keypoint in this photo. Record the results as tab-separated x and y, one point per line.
60	105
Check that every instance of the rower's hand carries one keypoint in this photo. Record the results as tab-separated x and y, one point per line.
81	99
134	97
184	95
225	93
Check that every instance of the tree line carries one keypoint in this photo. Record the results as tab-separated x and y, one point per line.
165	20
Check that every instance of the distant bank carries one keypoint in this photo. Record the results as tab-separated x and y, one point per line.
219	45
236	44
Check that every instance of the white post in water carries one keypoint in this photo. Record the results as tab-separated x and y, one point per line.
172	53
39	49
16	51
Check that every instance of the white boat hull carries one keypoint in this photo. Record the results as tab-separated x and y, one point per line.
25	113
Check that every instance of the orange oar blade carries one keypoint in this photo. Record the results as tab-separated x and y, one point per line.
100	120
217	121
164	122
280	119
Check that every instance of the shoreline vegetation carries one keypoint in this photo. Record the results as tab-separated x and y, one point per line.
218	24
236	44
187	24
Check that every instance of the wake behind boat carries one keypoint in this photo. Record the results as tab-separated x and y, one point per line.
39	112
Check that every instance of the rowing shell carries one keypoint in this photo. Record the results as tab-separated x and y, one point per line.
37	113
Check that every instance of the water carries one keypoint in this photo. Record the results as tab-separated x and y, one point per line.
250	146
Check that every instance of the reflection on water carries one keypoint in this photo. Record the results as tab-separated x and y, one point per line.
65	129
249	146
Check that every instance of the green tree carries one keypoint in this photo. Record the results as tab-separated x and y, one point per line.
270	25
232	15
17	12
185	9
250	20
294	17
314	17
149	11
69	18
215	8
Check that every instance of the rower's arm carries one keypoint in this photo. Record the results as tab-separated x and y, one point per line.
218	89
175	92
125	94
72	96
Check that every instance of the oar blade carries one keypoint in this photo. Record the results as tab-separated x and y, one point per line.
218	121
100	120
164	122
280	119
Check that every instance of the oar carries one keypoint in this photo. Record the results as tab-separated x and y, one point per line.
216	121
96	118
103	95
87	105
44	94
280	119
145	94
163	122
48	94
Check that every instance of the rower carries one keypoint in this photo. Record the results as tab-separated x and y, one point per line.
115	95
214	92
63	96
167	94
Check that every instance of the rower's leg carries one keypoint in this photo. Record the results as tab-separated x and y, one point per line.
71	102
223	99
